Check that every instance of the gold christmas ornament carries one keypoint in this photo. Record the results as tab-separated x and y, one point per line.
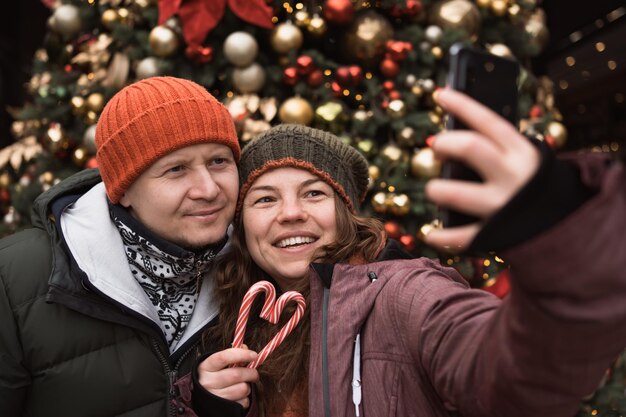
483	3
499	7
538	33
91	117
417	91
46	178
558	132
424	164
5	180
437	52
374	172
393	153
379	202
95	102
367	147
365	38
433	34
250	79
330	116
163	41
66	20
499	49
401	205
148	67
286	37
78	105
109	17
396	109
302	18
240	48
406	137
89	139
457	14
80	156
317	26
296	110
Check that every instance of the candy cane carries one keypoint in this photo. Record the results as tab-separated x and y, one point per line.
246	304
287	328
271	312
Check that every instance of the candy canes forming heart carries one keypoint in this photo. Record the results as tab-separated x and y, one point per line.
271	312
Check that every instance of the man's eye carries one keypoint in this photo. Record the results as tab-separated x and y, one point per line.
218	161
177	168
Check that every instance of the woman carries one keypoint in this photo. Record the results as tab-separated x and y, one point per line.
387	336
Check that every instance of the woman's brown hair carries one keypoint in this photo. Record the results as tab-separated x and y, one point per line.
284	375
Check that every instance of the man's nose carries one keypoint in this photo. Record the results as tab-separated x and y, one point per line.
203	186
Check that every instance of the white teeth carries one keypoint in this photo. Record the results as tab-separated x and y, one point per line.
293	241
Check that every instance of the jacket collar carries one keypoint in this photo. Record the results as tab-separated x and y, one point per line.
392	250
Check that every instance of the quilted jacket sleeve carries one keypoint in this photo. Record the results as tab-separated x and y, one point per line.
14	379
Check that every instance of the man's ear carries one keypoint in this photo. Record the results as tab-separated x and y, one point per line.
125	201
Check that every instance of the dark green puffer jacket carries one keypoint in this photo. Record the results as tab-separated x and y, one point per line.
67	349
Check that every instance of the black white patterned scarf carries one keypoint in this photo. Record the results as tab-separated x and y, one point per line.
170	275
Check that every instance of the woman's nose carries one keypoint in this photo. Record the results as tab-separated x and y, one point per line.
292	210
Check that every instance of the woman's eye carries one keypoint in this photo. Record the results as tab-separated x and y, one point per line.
315	193
263	200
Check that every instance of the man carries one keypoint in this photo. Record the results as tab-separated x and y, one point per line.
103	301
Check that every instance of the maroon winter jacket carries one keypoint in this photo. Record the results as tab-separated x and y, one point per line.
429	344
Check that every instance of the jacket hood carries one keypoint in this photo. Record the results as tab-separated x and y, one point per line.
76	184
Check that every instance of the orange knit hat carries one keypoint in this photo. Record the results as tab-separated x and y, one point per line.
152	118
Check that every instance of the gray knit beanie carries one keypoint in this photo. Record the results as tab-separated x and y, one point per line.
319	152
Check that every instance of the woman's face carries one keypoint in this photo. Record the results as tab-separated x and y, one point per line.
288	214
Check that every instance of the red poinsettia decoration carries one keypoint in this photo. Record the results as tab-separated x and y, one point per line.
199	17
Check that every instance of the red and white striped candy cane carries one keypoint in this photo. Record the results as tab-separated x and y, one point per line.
287	328
246	304
271	312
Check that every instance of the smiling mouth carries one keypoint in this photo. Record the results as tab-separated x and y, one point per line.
294	241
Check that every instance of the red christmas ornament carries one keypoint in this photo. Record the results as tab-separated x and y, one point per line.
199	54
395	95
5	196
356	73
502	286
343	76
389	68
290	75
408	241
550	141
389	86
411	8
305	64
535	112
336	89
397	50
91	163
393	229
315	79
339	12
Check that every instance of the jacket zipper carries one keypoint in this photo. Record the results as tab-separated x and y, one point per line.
172	376
326	385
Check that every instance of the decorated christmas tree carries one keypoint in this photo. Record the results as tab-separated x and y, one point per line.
363	69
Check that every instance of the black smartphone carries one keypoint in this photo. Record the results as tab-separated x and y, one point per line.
491	80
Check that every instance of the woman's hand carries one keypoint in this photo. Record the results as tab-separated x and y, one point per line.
219	379
504	158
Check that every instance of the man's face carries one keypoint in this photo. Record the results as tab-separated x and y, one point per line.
187	197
